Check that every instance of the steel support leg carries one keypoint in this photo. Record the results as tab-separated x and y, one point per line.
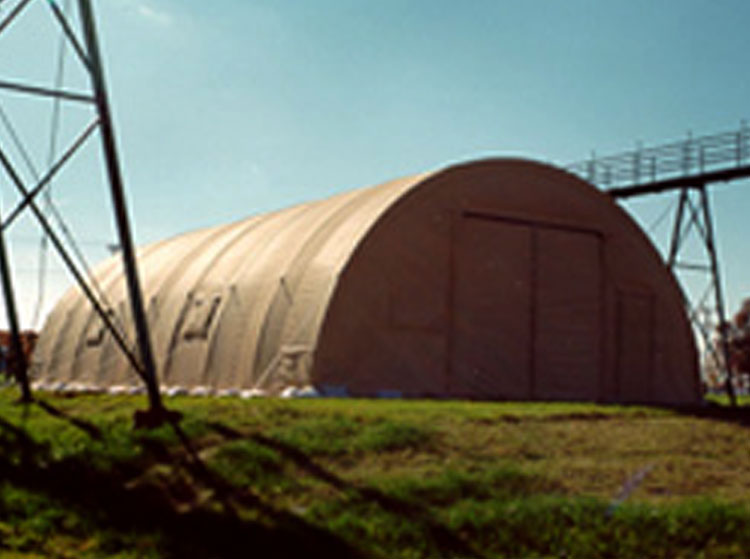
120	208
16	358
718	292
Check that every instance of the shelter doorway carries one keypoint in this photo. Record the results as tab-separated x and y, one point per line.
527	310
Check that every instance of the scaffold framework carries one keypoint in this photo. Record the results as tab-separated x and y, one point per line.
688	167
80	34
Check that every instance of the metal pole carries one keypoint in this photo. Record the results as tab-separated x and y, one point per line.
711	248
16	357
118	199
68	261
674	248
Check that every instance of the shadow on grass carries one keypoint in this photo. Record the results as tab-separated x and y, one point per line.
739	415
146	512
89	428
438	535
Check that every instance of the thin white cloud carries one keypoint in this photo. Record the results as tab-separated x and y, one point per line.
154	16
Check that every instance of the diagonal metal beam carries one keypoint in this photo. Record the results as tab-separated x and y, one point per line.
701	303
55	212
13	14
677	232
708	342
17	142
695	219
70	34
46	92
72	268
29	197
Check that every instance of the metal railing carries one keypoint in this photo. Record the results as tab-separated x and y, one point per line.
688	157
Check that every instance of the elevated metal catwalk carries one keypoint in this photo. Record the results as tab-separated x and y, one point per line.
686	163
687	167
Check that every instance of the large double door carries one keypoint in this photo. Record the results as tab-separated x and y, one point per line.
527	310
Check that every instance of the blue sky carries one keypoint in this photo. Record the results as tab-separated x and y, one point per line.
233	107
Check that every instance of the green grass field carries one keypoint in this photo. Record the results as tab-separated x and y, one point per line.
367	478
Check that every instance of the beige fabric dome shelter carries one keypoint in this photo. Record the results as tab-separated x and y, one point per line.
502	279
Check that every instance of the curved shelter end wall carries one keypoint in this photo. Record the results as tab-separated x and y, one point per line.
513	280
